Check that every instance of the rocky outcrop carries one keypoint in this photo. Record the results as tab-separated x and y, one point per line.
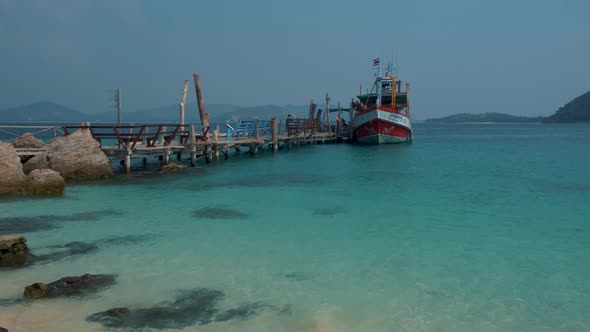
41	182
12	178
3	329
70	286
76	157
14	251
28	141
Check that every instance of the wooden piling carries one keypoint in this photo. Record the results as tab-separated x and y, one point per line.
275	134
182	101
167	157
201	104
193	145
128	160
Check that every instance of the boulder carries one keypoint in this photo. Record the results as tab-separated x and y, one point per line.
28	141
45	182
70	286
172	167
76	157
12	178
14	251
3	329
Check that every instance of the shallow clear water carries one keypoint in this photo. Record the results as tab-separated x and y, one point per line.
471	227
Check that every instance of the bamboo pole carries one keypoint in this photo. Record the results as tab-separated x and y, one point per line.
201	104
182	101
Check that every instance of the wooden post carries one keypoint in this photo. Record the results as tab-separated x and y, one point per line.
162	134
201	104
193	143
311	110
167	157
128	160
351	120
182	101
216	152
328	113
216	134
256	129
407	100
275	134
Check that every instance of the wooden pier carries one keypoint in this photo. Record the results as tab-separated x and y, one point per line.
180	140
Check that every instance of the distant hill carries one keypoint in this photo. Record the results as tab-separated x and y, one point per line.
577	110
485	117
42	112
51	112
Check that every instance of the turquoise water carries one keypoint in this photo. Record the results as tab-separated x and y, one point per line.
470	228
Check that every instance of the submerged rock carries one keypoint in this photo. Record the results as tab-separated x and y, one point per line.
15	225
298	276
70	286
192	307
14	251
75	157
242	312
172	167
12	178
66	250
28	141
126	240
45	182
219	213
328	211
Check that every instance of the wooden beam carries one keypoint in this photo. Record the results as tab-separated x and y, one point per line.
201	104
182	101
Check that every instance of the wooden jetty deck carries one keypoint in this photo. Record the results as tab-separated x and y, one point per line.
177	141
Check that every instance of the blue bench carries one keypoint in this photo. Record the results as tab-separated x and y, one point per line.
247	129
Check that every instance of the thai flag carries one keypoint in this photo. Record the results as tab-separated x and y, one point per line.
376	62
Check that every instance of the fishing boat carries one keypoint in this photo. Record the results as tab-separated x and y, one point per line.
382	115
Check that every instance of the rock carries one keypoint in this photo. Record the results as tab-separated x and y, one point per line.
219	213
76	157
28	141
66	250
14	250
192	307
172	167
12	178
70	286
3	329
45	182
12	225
242	312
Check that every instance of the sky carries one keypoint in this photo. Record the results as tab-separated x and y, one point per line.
519	57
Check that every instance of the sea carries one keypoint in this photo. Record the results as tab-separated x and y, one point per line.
471	227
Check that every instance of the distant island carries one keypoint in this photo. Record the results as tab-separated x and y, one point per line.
484	117
55	113
577	110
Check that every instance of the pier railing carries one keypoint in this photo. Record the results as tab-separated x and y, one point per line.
11	133
301	126
131	135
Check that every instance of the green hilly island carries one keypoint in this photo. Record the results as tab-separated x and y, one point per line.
484	117
577	110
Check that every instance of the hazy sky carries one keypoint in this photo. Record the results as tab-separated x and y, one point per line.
521	57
